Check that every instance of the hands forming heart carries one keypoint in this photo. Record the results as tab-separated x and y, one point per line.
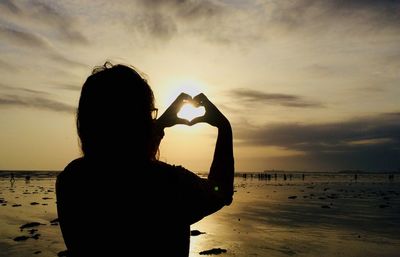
173	117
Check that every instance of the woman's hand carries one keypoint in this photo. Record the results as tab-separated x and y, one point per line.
169	118
212	116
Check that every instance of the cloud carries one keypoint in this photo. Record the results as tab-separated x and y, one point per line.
367	143
155	24
31	98
65	61
186	9
313	14
250	22
6	66
23	38
34	102
259	97
10	6
167	19
69	87
64	24
36	13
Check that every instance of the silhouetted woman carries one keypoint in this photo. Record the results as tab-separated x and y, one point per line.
150	210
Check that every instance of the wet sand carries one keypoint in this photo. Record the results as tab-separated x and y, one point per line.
324	215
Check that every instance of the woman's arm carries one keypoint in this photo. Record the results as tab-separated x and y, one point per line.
222	167
204	196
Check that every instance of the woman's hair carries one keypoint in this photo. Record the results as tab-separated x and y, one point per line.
114	114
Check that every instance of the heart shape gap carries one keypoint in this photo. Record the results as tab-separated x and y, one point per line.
189	112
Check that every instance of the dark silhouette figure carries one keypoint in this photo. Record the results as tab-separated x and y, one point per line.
12	179
119	136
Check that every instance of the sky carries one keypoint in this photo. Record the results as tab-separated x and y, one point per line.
307	85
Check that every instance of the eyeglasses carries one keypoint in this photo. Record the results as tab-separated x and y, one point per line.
154	113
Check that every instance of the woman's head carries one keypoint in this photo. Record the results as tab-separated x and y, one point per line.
114	116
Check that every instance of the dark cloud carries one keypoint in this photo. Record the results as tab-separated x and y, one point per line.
32	91
186	9
10	100
30	98
155	24
193	10
10	6
38	13
41	12
367	143
69	87
22	38
259	97
163	19
317	14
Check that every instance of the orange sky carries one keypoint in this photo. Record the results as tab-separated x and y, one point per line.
309	85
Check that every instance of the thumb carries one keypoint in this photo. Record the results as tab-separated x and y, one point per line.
197	120
183	121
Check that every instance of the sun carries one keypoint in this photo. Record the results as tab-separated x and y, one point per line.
189	86
189	112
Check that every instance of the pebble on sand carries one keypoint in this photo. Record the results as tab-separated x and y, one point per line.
34	203
196	233
214	251
54	222
30	225
16	205
292	197
21	238
62	253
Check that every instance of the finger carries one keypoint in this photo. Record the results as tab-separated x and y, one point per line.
180	100
200	99
183	96
197	120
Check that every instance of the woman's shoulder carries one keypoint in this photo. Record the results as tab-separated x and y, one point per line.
72	168
177	171
159	165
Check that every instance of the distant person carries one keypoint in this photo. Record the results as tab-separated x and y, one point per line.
27	179
12	179
150	210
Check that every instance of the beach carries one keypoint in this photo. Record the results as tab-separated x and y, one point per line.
324	214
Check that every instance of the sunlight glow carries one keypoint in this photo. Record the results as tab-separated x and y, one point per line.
189	112
191	87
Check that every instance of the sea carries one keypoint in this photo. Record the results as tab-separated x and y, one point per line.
272	214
